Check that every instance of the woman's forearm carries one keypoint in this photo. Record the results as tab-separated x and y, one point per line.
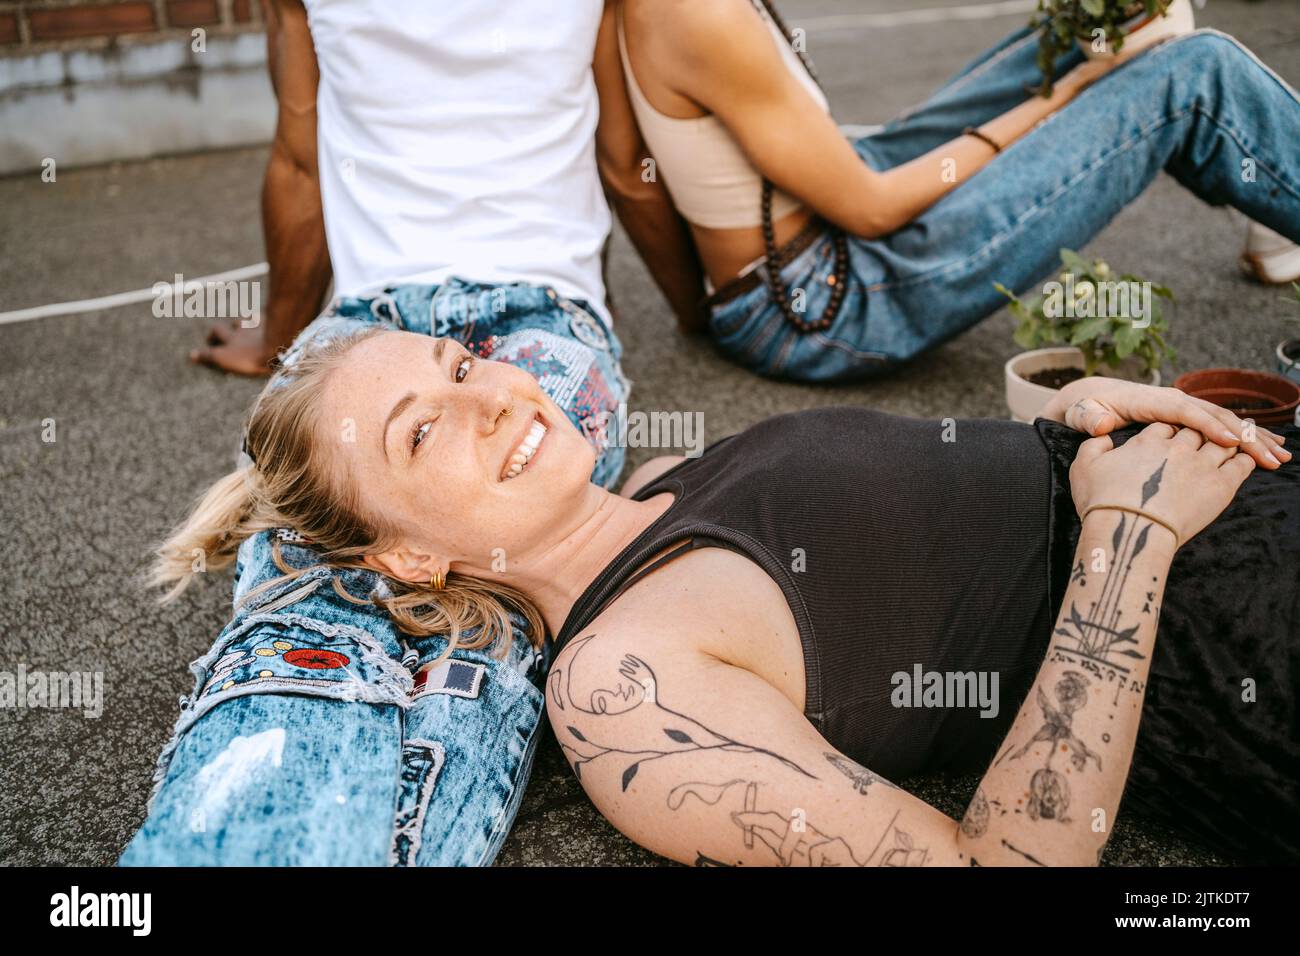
1052	792
913	187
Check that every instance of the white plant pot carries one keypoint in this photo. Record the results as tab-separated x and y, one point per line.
1025	399
1142	31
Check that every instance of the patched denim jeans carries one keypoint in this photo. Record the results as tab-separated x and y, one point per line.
1200	106
308	739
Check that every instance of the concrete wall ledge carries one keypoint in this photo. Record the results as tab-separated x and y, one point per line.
132	100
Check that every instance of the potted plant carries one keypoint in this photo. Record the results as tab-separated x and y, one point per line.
1263	397
1288	350
1088	321
1102	27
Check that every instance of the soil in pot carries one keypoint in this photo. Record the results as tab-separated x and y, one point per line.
1054	377
1267	398
1244	403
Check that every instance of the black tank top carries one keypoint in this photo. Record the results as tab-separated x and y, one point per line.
898	543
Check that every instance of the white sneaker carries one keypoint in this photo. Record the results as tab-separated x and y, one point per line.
1269	257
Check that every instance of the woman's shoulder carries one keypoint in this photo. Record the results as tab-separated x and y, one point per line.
648	472
710	600
689	13
694	26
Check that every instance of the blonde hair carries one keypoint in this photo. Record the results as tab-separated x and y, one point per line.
292	485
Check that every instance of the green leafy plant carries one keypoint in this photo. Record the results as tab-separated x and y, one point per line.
1079	309
1064	22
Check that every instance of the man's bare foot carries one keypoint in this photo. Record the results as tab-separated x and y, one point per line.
233	348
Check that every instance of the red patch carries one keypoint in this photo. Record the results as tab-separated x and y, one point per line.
316	660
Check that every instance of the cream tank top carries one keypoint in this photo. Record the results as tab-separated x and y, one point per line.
458	139
711	181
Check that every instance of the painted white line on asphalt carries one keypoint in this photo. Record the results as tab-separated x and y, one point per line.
901	18
126	298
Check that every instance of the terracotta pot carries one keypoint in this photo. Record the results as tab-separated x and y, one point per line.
1025	399
1143	31
1267	398
1288	359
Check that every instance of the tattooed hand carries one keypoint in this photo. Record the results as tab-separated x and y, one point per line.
1172	474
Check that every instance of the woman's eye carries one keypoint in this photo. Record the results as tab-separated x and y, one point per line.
464	365
418	434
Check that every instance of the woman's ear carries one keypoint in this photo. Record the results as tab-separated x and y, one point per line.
406	565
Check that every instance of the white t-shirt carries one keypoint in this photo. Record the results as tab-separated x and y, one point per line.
456	137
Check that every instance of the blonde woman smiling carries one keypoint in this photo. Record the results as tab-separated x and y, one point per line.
704	683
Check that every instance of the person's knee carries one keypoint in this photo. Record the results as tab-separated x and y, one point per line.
1207	49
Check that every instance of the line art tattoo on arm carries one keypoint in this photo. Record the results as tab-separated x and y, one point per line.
861	777
1098	636
793	839
1099	643
645	730
975	823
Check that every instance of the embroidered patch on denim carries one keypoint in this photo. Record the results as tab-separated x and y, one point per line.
265	658
315	659
456	678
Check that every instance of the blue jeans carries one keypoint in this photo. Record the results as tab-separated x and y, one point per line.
1199	106
306	740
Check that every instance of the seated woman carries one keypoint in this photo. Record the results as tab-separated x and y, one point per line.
754	642
836	259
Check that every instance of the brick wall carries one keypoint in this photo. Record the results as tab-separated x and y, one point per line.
31	25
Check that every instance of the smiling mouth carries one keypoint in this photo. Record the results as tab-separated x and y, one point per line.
524	452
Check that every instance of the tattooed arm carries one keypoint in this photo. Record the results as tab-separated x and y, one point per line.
702	754
1051	796
708	764
681	713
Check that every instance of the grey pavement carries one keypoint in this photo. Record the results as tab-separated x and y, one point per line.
140	431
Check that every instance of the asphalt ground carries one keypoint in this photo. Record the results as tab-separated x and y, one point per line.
140	431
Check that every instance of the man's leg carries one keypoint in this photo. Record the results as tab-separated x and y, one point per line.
284	753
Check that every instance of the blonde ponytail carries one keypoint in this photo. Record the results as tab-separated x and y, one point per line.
208	539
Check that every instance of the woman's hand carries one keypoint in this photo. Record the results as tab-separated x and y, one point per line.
1099	405
1171	473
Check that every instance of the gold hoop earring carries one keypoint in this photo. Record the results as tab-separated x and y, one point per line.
438	581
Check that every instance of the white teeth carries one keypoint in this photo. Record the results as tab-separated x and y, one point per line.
525	450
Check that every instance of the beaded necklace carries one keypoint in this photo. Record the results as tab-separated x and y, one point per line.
836	280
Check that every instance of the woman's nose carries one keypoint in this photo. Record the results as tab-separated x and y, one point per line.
496	403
